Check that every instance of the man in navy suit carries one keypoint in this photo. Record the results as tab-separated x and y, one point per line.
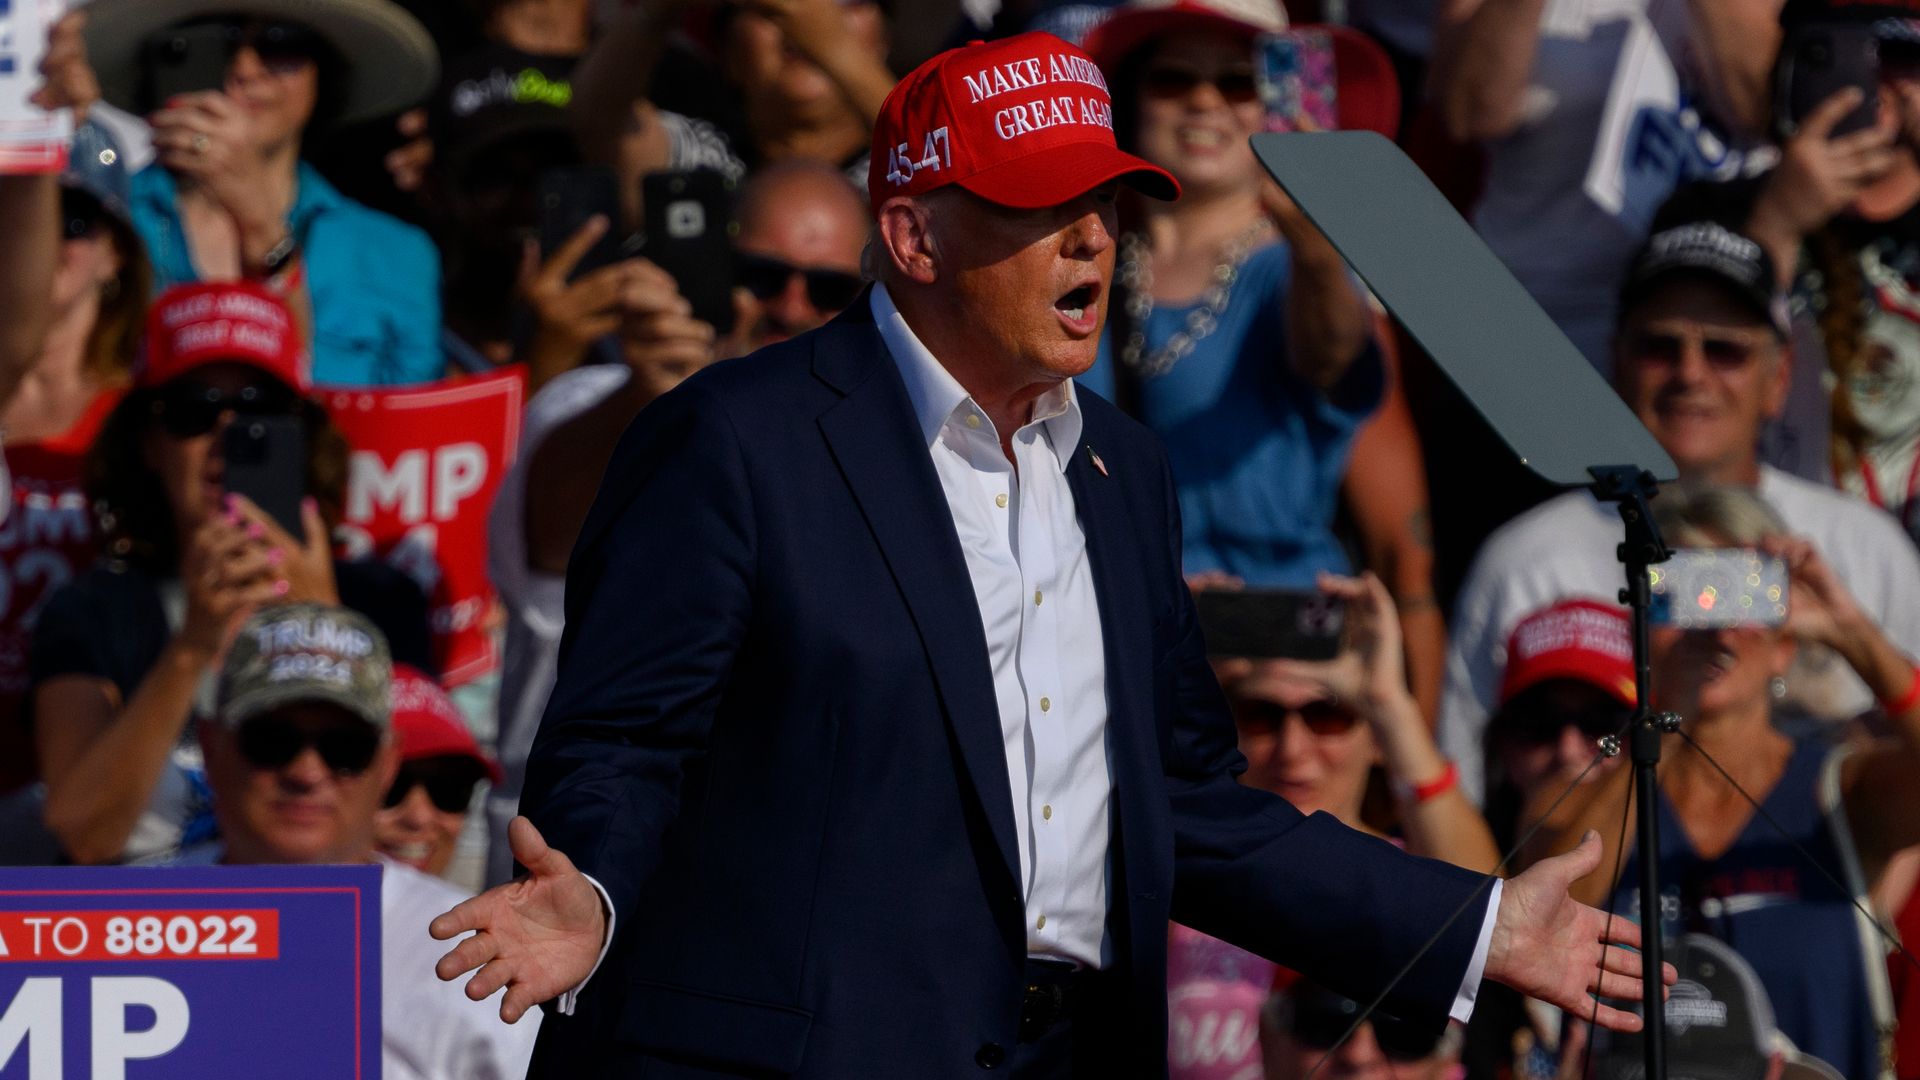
884	742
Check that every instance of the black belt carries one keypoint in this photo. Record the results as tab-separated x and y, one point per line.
1055	991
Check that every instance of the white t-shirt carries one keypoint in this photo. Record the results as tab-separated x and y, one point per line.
430	1029
1564	548
534	602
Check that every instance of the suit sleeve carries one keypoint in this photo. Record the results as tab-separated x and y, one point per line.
658	599
1348	910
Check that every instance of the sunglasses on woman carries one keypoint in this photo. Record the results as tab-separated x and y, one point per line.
1542	726
81	215
280	45
1320	717
1318	1018
273	742
449	784
1165	81
766	277
186	409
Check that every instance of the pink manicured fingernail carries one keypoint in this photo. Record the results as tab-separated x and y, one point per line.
280	587
255	531
275	557
310	503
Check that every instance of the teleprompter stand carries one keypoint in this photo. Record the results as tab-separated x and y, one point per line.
1632	490
1539	395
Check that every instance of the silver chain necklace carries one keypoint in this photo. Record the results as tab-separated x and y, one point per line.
1135	274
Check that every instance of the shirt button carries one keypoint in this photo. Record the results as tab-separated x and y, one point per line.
1046	704
973	420
1046	812
1000	500
1040	923
1036	598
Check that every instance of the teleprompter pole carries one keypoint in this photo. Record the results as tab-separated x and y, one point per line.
1632	490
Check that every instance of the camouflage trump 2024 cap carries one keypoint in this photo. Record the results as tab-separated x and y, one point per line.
301	653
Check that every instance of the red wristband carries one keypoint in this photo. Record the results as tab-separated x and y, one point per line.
1907	700
1448	779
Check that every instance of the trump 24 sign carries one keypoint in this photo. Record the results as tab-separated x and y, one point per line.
127	973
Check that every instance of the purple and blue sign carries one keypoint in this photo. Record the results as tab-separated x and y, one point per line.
132	973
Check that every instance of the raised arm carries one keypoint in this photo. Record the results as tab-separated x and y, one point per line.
1483	53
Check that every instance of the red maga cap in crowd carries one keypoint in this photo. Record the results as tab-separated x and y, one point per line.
1584	640
1024	122
429	725
192	326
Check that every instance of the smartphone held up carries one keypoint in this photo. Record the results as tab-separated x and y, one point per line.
1719	588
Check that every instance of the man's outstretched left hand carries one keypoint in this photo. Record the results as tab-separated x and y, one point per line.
1548	945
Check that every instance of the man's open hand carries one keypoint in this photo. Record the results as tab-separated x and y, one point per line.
538	936
1548	945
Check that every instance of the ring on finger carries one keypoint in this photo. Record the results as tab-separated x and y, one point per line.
200	143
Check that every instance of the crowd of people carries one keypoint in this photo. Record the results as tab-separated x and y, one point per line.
383	195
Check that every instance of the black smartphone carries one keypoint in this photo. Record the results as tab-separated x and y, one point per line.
567	199
186	60
689	234
265	459
1271	623
1817	61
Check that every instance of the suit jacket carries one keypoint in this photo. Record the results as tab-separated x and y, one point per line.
774	741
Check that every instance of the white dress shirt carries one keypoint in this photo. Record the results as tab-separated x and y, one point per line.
1027	558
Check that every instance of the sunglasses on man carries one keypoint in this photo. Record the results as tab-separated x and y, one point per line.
449	783
186	409
273	742
766	277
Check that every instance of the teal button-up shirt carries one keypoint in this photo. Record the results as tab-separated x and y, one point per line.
373	280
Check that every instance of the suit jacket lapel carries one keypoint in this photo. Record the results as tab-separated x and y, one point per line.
877	443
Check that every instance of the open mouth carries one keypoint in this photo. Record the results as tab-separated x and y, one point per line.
1075	303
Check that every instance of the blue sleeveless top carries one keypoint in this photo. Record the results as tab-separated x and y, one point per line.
1783	916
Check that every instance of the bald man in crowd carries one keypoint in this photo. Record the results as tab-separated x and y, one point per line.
802	225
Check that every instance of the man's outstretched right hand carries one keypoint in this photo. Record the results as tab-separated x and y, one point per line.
538	936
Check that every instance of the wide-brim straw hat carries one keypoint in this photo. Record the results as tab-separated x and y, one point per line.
391	62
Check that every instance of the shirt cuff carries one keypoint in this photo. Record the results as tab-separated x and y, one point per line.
1476	968
565	1002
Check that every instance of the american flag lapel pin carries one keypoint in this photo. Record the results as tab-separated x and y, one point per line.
1097	463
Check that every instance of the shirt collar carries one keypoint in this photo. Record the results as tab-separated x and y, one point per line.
936	395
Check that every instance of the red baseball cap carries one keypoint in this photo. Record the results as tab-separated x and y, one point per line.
1584	640
1366	89
429	725
1024	122
192	326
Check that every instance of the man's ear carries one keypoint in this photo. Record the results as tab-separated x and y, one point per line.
904	241
1782	383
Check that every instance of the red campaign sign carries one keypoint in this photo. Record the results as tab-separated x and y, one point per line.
426	462
166	934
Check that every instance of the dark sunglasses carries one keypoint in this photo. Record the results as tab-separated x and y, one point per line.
280	45
449	784
186	410
1542	727
1237	87
766	277
81	215
272	743
1321	717
1319	1017
1722	354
